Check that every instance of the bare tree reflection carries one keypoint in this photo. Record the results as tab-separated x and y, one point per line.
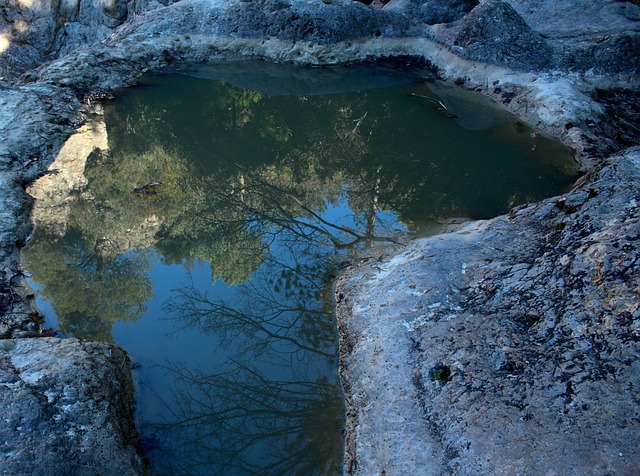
242	421
284	306
281	310
287	212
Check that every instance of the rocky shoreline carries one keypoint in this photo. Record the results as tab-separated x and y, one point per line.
509	347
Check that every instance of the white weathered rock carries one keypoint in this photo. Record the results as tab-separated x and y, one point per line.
54	192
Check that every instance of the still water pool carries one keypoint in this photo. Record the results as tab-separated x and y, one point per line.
200	220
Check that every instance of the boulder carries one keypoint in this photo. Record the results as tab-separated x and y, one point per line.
601	37
67	409
494	33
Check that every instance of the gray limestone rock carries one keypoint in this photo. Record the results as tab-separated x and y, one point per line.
509	347
67	409
493	32
587	36
35	31
32	128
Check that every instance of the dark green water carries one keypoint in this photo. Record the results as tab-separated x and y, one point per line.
218	281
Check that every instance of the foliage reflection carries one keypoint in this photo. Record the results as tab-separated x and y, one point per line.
272	193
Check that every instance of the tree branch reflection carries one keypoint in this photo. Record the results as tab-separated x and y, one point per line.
223	423
281	312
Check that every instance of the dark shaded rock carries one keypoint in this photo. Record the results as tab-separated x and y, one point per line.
328	22
619	124
494	33
612	54
433	11
602	37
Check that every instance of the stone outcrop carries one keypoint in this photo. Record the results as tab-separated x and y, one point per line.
494	33
596	37
509	346
564	35
517	338
66	408
35	31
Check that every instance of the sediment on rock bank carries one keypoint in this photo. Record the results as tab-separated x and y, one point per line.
549	316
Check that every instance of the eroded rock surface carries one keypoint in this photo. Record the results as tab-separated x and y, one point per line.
564	35
35	31
66	409
587	36
493	32
435	11
508	347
